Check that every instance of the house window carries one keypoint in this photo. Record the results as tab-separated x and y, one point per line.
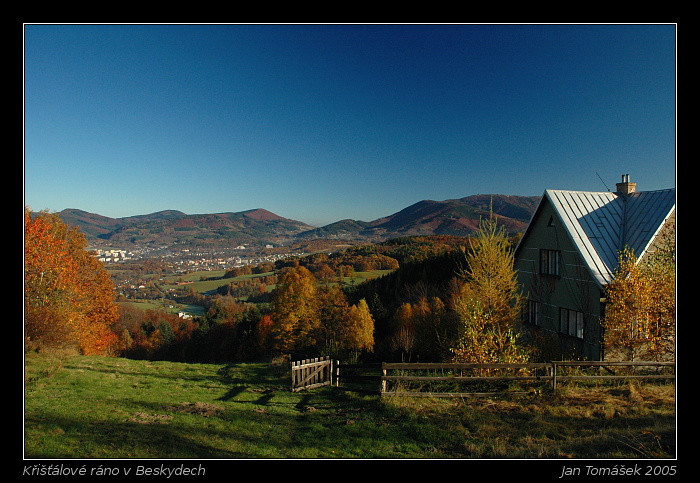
571	323
550	261
533	312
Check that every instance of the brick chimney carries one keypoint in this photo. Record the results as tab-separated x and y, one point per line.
625	187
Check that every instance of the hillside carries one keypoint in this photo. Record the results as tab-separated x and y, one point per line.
253	226
458	217
93	225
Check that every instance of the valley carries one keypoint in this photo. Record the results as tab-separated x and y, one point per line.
171	259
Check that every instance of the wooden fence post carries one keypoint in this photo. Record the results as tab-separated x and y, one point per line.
383	389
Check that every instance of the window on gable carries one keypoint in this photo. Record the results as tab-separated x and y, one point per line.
551	221
571	323
550	262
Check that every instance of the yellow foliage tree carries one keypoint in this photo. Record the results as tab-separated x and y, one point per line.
333	311
422	329
488	302
343	328
295	312
358	329
640	307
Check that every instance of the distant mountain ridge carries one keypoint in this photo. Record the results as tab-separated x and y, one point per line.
450	217
94	225
174	227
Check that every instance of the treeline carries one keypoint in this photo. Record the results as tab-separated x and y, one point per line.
303	316
227	332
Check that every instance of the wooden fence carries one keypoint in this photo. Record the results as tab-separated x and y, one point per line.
312	373
550	372
557	367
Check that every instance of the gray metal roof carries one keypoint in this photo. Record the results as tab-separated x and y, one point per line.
600	224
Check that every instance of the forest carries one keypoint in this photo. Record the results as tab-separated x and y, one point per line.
311	312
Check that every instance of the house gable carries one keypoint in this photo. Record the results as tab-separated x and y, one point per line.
601	224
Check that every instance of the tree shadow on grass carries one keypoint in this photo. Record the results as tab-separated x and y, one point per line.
131	440
257	374
232	393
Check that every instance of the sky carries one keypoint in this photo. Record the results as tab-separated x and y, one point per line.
320	123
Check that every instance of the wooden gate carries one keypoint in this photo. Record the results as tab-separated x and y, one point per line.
311	373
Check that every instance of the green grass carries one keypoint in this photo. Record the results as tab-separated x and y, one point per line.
209	286
168	306
98	407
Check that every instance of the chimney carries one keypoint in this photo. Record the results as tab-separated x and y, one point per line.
625	187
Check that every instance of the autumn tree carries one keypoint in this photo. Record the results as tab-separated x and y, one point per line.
358	329
345	330
263	330
294	308
488	302
69	299
434	328
403	338
640	306
333	310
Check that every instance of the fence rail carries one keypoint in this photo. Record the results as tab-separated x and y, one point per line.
556	374
548	371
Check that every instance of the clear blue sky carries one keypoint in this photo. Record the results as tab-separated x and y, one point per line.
324	122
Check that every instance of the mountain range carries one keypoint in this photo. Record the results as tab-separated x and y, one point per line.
450	217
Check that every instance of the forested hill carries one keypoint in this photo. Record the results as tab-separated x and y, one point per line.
169	227
458	217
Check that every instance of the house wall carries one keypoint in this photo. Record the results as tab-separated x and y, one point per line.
572	289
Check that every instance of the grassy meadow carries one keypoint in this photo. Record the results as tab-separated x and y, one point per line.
99	407
202	286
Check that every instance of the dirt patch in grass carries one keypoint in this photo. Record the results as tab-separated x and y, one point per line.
145	418
203	409
199	408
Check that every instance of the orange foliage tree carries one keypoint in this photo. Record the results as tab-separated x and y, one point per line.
69	299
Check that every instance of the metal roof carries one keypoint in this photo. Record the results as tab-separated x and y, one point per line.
601	224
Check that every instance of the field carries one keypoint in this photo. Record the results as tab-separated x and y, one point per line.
98	407
210	286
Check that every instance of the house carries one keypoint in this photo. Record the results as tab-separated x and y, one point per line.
569	253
